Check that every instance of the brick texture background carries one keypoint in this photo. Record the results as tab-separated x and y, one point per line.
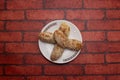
22	20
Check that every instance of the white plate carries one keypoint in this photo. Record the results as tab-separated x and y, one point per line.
46	48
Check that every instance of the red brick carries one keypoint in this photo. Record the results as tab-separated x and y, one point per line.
113	14
96	47
2	4
85	14
23	70
104	25
79	24
113	57
11	78
113	77
11	15
11	59
113	36
1	47
93	36
45	14
63	69
1	70
101	4
86	78
1	25
31	36
22	48
114	47
89	58
83	49
48	21
103	69
24	4
63	4
24	26
10	36
46	78
36	59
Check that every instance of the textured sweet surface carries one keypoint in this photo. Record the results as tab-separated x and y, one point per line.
22	20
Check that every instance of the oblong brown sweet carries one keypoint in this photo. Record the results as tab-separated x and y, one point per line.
65	29
47	37
60	38
56	52
73	44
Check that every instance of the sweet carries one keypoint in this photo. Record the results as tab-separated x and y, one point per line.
60	38
73	44
47	37
65	29
56	52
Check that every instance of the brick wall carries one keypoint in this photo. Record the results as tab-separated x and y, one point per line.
22	20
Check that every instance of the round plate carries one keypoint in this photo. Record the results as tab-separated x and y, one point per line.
46	48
